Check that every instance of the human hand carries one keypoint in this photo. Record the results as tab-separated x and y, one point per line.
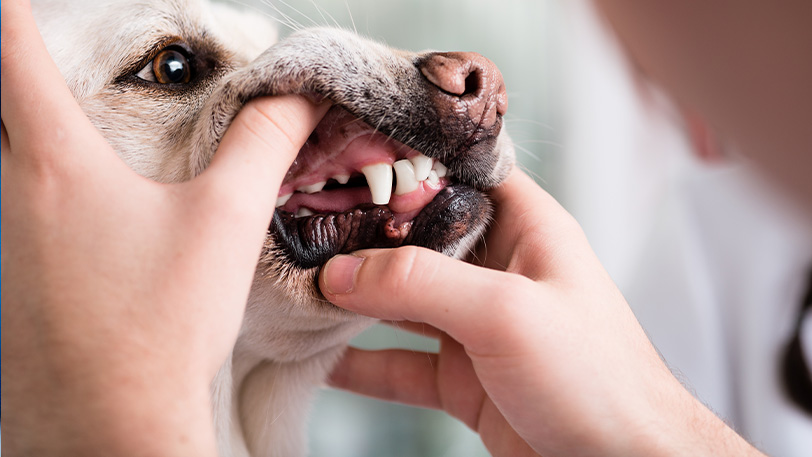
539	352
121	296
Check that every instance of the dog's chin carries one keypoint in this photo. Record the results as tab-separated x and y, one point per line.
327	204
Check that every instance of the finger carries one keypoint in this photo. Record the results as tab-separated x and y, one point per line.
37	105
532	234
259	147
498	436
394	375
472	304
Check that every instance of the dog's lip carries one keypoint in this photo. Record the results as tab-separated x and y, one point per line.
309	242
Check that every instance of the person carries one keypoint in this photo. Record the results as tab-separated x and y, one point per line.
540	353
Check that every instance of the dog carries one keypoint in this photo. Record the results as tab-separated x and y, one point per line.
162	80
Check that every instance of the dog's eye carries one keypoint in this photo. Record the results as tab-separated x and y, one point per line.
170	66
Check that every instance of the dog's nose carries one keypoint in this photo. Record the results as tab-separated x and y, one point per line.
470	85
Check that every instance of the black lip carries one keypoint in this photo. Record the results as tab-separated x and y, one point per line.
309	242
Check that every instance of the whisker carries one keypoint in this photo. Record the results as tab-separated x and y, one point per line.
335	22
305	16
528	152
511	119
532	174
318	10
547	142
351	18
287	22
293	24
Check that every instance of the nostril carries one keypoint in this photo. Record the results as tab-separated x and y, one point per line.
471	83
447	74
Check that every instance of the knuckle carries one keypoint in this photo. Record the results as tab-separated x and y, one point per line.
513	298
269	127
402	269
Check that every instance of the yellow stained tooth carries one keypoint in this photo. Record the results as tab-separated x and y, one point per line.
280	201
422	166
304	212
404	170
312	188
379	178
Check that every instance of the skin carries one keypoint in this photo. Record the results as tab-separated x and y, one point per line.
121	296
540	352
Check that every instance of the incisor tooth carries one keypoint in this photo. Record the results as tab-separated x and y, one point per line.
342	179
404	170
282	200
433	179
379	178
422	166
312	188
304	212
441	169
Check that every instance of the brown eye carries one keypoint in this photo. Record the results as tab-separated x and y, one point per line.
171	66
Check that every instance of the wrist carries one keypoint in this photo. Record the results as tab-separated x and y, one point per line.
687	427
124	412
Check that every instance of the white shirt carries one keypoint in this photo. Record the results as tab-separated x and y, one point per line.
712	261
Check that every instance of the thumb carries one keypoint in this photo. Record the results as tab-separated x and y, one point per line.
420	285
259	147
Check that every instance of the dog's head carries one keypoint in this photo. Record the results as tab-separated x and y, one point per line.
404	156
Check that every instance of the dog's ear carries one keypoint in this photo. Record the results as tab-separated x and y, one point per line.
242	30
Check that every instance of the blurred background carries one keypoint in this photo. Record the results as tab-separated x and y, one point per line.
617	153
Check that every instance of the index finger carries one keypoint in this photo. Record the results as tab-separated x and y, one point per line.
37	104
476	306
531	233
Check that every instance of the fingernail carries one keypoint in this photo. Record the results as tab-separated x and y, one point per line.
339	273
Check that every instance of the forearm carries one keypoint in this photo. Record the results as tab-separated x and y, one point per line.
689	428
126	412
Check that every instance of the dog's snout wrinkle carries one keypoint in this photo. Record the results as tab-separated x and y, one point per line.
470	85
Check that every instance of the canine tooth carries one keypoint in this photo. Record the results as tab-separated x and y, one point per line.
342	179
379	178
406	180
282	200
433	178
422	166
312	188
441	169
304	212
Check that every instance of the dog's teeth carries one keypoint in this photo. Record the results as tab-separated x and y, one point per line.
406	180
304	212
282	200
342	179
433	179
379	178
312	188
422	166
440	169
